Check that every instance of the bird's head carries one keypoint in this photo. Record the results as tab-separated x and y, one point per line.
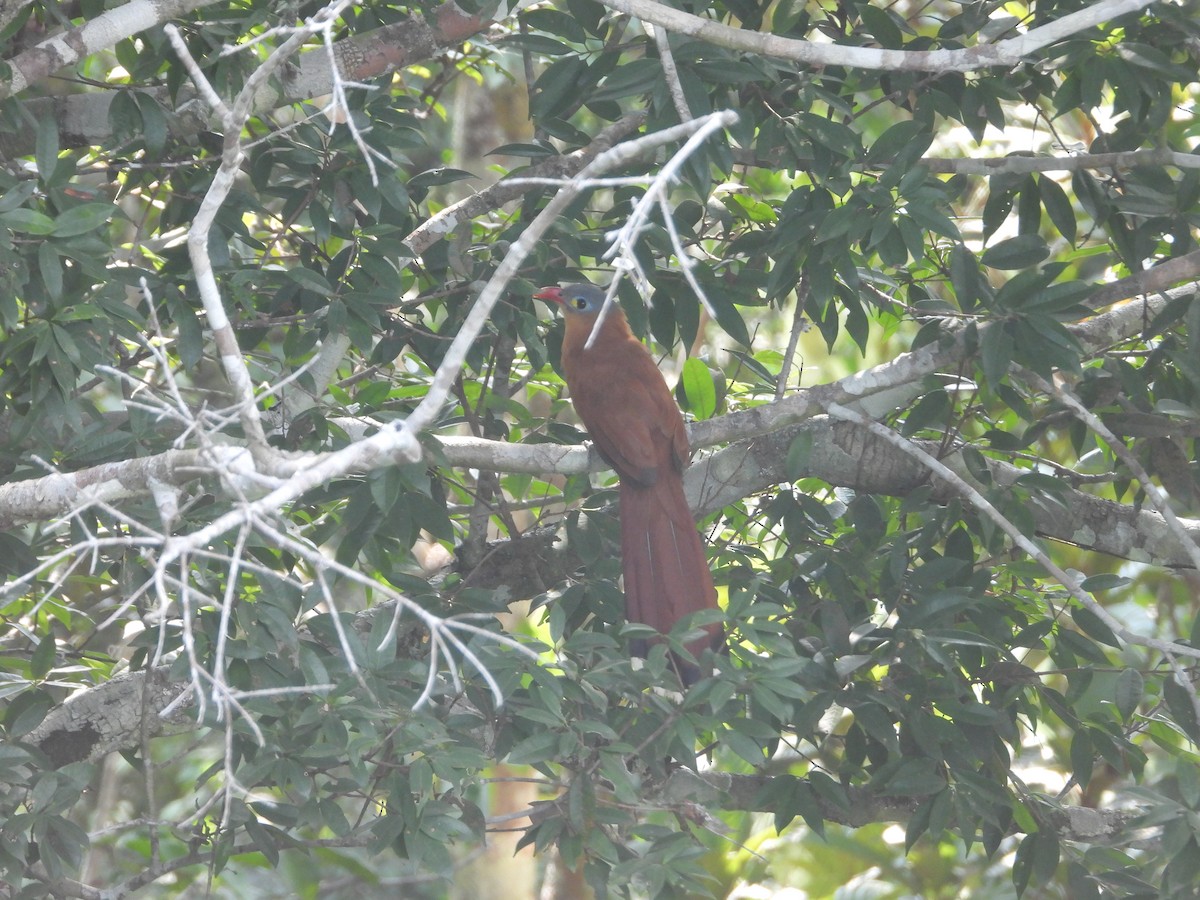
575	299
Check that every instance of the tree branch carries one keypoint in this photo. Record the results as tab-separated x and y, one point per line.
758	793
83	119
970	493
105	30
109	718
1009	52
1024	164
559	168
55	495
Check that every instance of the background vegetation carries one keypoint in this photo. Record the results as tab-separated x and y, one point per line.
311	589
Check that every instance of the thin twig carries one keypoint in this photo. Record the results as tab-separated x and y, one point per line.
1096	424
799	324
622	248
981	503
662	40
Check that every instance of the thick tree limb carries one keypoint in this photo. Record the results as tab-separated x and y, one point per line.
1106	527
844	455
110	717
83	118
841	455
48	498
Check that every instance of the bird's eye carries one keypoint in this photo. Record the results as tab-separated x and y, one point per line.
578	302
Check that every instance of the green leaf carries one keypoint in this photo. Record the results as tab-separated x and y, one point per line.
918	823
729	318
16	196
28	221
61	844
931	411
440	175
124	116
51	270
46	147
998	206
83	218
313	666
916	778
1180	701
1093	626
996	348
1059	298
977	465
429	514
1029	208
794	797
1023	818
747	207
1083	756
553	21
744	746
386	486
1044	344
534	43
804	800
636	77
1036	859
1016	253
310	280
67	344
1188	777
557	87
700	388
42	660
190	338
880	24
725	71
1019	289
1058	207
1184	868
522	149
263	839
965	277
876	722
538	748
925	215
15	555
1128	694
798	455
835	136
26	713
154	128
1105	581
1022	870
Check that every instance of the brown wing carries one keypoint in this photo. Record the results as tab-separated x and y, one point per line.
629	412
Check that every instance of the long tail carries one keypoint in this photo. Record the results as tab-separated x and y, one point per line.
666	573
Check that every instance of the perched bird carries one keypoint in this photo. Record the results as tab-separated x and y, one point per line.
632	418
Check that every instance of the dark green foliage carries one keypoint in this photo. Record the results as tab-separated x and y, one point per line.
893	656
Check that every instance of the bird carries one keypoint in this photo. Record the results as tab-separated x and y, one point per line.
636	426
